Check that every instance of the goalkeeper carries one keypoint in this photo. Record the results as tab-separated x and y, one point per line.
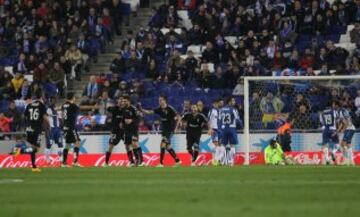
274	155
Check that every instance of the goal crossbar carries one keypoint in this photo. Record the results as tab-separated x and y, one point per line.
247	79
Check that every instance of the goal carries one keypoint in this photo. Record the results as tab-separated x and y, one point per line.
271	101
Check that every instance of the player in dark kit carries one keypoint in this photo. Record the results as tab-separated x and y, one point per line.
117	127
195	121
69	114
169	119
35	116
131	133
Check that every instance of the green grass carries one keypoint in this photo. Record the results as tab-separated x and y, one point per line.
187	191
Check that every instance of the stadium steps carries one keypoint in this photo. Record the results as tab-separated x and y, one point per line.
104	59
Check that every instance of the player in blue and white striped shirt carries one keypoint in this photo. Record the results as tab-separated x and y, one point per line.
215	132
328	120
228	119
54	136
346	125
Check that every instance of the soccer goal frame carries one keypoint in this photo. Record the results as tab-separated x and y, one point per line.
248	79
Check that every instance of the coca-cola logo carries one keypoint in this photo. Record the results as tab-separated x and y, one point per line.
149	160
307	158
11	162
8	162
202	161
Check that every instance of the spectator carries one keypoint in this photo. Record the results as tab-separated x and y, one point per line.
57	77
210	55
93	126
17	83
15	115
201	107
143	127
91	91
156	127
357	103
122	90
118	65
301	118
104	103
355	34
40	74
239	88
5	123
186	106
269	106
74	56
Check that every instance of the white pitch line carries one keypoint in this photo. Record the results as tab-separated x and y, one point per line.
8	181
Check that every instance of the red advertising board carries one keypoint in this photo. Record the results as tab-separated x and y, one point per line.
94	160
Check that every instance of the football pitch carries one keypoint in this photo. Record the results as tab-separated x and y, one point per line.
184	191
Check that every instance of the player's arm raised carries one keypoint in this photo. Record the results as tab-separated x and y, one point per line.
145	111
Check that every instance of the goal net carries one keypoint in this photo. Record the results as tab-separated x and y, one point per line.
270	102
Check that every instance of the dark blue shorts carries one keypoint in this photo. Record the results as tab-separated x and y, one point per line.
229	137
348	135
328	137
216	135
55	137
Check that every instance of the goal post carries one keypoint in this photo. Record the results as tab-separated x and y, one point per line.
249	82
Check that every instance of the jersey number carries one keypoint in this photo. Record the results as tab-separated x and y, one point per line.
65	114
328	119
34	114
226	118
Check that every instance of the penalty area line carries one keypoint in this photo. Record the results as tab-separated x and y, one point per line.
9	181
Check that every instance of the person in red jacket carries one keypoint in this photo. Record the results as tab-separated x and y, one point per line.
307	60
187	4
5	123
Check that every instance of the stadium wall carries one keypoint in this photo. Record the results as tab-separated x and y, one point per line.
306	149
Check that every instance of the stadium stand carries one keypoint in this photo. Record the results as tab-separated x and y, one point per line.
190	50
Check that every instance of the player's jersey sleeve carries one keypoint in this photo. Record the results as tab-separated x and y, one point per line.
26	113
43	110
203	119
185	117
172	112
157	111
267	154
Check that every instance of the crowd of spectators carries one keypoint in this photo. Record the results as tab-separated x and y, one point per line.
273	37
48	43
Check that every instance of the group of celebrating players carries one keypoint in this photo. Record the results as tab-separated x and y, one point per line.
337	119
221	122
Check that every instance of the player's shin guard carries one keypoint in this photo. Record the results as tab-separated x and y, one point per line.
138	155
196	152
326	158
336	148
233	152
223	155
227	155
65	154
162	155
217	153
190	151
33	157
173	154
130	156
350	156
76	152
107	157
47	152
